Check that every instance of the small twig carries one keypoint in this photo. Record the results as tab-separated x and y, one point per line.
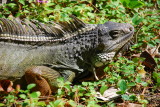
157	47
76	98
94	5
138	32
144	90
94	72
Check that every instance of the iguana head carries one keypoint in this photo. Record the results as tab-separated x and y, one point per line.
113	37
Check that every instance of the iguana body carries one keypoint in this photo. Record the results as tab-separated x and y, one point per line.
70	49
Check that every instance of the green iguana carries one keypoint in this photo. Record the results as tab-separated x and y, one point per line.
66	49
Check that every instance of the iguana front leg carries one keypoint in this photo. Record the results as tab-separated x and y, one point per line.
45	78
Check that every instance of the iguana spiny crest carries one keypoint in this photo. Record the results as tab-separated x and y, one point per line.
33	31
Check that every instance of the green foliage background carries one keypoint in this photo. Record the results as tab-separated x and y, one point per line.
142	14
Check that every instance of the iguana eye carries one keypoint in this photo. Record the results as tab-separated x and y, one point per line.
114	33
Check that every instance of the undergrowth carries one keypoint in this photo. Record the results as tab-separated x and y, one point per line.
128	73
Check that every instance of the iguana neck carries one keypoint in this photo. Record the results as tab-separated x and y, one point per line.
81	45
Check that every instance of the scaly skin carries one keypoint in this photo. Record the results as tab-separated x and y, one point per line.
71	53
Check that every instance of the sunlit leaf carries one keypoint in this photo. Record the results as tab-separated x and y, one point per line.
35	94
125	97
135	4
103	89
22	1
23	96
122	85
30	86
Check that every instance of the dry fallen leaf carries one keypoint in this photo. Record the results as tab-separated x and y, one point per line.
142	72
149	62
1	88
41	83
128	105
6	85
108	94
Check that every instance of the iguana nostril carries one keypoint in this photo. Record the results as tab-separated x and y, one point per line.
128	30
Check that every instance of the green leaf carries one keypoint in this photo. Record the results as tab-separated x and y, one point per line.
136	20
60	92
58	7
157	40
25	104
125	97
72	103
103	89
135	4
30	86
1	104
60	82
156	77
1	15
58	103
132	98
145	84
143	102
50	105
17	14
50	4
122	85
158	2
88	94
45	19
33	5
23	96
92	104
132	84
106	69
41	104
12	5
138	79
26	11
91	15
125	2
30	1
22	1
68	87
48	9
84	83
35	94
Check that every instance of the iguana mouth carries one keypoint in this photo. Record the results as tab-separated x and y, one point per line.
124	48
